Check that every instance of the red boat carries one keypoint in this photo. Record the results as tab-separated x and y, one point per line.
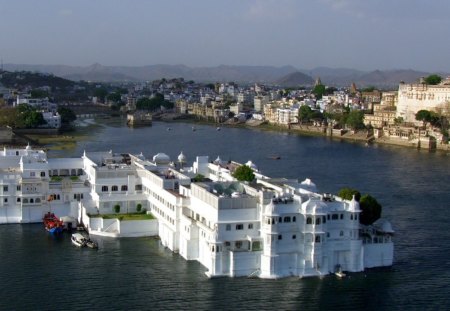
52	224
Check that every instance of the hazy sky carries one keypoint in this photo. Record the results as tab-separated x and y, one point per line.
360	34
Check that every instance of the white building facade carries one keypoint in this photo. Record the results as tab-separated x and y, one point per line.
269	228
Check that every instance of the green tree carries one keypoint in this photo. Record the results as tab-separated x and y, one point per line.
244	173
433	79
370	210
198	178
114	97
30	118
100	93
67	115
304	113
319	91
37	93
117	208
348	193
355	119
139	207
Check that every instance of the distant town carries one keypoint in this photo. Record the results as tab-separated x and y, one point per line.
414	114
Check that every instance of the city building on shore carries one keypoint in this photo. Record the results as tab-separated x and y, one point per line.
421	96
270	227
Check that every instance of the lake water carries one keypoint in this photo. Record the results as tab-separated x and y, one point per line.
38	271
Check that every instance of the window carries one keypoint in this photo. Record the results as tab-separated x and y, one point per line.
18	200
227	244
328	217
309	221
6	200
238	244
104	188
32	174
25	200
324	220
42	174
38	200
31	200
114	188
19	188
138	188
294	237
317	240
318	221
5	188
239	227
250	226
124	188
342	216
228	227
294	219
280	220
280	237
335	217
351	216
287	219
341	233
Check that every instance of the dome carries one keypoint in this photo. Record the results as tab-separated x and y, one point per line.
307	186
354	205
314	207
161	158
181	158
383	225
218	161
251	165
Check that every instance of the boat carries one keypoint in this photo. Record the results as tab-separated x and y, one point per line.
91	244
275	157
194	129
339	272
52	224
78	240
218	129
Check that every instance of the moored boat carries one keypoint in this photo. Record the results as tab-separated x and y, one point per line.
78	240
52	224
91	244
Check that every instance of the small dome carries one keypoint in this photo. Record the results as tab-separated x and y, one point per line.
181	158
314	207
251	165
218	161
307	186
383	225
161	158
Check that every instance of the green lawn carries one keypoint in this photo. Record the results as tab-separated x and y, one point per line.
136	216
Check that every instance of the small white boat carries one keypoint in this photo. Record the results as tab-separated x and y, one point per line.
194	129
340	274
218	129
78	240
91	244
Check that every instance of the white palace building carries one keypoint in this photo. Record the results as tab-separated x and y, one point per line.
269	228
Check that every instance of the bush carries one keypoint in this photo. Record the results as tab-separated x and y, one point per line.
117	208
139	208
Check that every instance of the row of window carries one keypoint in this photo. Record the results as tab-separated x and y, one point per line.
6	188
286	219
238	227
115	188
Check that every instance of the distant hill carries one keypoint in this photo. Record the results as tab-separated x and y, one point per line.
21	79
286	75
97	72
295	79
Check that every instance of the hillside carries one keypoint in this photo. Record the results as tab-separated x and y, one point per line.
33	79
295	79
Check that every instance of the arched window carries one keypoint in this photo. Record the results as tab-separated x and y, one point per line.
31	200
104	188
114	188
280	220
294	219
287	219
124	188
317	240
38	200
309	221
25	200
318	221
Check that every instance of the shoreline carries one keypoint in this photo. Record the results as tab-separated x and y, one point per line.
69	139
